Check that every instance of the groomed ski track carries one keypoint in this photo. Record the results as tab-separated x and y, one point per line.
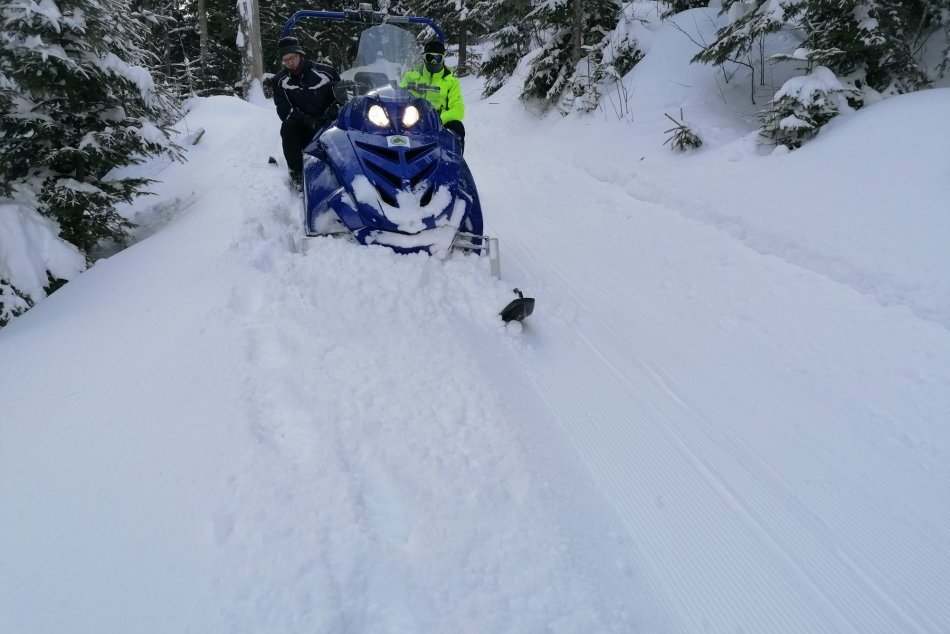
690	374
375	452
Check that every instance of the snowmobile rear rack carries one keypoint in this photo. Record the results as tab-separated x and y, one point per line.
471	242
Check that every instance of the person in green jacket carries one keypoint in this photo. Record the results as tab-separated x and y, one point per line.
437	84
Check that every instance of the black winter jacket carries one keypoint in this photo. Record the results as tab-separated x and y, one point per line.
310	93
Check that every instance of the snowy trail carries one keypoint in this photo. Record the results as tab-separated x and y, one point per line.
351	464
721	474
274	434
385	484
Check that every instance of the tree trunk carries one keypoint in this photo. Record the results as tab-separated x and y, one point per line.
463	49
257	53
577	32
250	26
167	53
203	32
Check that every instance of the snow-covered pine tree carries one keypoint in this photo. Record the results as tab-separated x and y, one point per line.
223	73
445	13
175	43
871	43
576	32
600	73
682	135
34	260
78	103
510	39
803	106
459	22
509	45
741	41
677	6
328	42
941	8
872	47
12	302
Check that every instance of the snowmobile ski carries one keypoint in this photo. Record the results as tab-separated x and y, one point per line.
518	309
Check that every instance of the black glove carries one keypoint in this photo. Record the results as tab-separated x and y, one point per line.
304	119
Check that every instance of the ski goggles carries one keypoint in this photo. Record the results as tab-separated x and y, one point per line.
434	58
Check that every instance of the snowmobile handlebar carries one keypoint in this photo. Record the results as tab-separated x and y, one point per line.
363	16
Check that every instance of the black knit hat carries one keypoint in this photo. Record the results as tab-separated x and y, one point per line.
289	45
434	46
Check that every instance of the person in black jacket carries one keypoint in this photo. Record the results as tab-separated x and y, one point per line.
303	94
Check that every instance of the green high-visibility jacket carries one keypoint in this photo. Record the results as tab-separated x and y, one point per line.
441	89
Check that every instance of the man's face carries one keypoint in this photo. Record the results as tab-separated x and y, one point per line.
434	62
290	61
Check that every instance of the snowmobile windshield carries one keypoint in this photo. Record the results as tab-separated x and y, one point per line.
384	54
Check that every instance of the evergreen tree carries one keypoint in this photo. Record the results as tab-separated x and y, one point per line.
12	302
873	43
571	62
509	45
749	24
510	39
77	103
174	44
618	55
803	106
333	43
678	6
222	76
458	19
34	261
940	9
551	71
873	46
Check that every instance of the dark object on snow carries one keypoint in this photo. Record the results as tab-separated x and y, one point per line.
682	138
192	138
518	309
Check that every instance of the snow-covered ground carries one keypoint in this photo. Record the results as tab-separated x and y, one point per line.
729	413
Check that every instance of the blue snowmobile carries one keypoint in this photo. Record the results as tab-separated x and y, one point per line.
385	171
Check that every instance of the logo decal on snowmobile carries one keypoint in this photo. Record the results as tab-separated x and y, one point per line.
397	141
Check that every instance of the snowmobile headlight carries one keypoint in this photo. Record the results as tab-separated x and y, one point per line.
378	116
410	116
